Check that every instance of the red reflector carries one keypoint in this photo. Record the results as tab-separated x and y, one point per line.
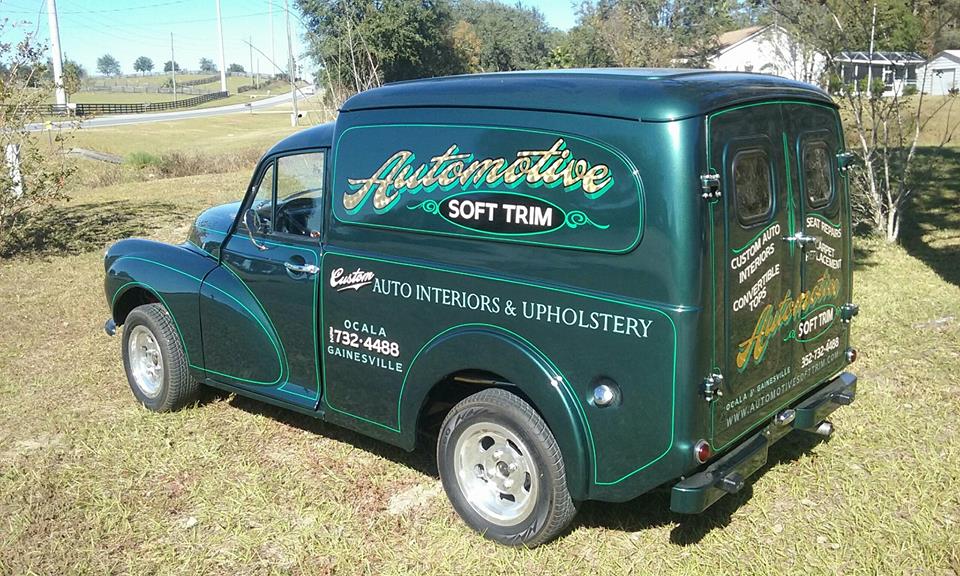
702	451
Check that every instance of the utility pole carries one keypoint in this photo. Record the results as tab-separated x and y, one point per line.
291	66
55	53
173	69
250	44
273	44
223	65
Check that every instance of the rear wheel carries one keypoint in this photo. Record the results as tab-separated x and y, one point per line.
154	360
502	469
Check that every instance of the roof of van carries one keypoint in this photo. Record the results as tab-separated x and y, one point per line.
313	137
648	94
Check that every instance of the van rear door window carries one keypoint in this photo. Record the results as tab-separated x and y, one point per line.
753	187
817	174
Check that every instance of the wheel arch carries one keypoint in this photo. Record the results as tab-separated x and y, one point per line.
468	358
133	295
144	271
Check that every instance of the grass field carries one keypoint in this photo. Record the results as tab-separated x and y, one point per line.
92	483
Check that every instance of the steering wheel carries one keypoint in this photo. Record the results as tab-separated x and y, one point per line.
292	216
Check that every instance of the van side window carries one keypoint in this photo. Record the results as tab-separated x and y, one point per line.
817	174
263	200
300	194
753	188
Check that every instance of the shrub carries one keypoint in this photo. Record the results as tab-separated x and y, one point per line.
36	172
143	160
179	164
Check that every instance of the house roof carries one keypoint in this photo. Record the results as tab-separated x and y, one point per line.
949	54
729	39
898	58
655	95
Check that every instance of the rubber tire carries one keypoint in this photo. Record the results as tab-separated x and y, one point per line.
554	509
178	388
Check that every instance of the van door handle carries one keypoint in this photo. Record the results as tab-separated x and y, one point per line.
301	269
801	239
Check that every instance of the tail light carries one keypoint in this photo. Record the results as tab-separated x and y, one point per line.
702	451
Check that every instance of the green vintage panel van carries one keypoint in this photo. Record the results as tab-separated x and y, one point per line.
583	284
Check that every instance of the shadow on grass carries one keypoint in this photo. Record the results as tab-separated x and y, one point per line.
75	229
421	460
930	229
650	510
863	256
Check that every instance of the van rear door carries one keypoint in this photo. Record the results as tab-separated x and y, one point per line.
816	141
778	278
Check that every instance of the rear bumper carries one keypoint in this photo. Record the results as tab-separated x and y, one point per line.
727	475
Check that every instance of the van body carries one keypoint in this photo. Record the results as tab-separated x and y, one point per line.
645	272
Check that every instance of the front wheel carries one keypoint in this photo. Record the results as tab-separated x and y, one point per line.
502	469
155	361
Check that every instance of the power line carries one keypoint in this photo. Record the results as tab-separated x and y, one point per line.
124	35
110	10
235	16
152	24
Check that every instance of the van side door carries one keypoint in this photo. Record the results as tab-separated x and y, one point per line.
259	307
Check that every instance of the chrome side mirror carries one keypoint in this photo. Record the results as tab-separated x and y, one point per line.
251	218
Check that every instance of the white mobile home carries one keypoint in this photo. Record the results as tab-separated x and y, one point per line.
897	70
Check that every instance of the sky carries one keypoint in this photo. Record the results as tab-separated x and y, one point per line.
128	29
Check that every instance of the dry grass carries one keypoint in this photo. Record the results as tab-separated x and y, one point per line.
92	483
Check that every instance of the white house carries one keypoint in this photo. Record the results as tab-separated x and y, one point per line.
941	75
769	50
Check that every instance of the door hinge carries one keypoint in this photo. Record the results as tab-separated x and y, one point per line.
848	311
711	387
846	161
710	186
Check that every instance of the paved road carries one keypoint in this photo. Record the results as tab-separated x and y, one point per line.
119	120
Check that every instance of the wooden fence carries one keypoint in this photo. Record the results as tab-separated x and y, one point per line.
145	88
98	109
199	81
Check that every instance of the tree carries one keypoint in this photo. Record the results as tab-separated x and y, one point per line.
73	73
884	131
108	65
467	46
659	33
207	65
583	46
143	65
236	69
38	177
363	43
524	44
169	66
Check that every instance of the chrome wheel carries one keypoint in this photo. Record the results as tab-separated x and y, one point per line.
496	473
146	361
